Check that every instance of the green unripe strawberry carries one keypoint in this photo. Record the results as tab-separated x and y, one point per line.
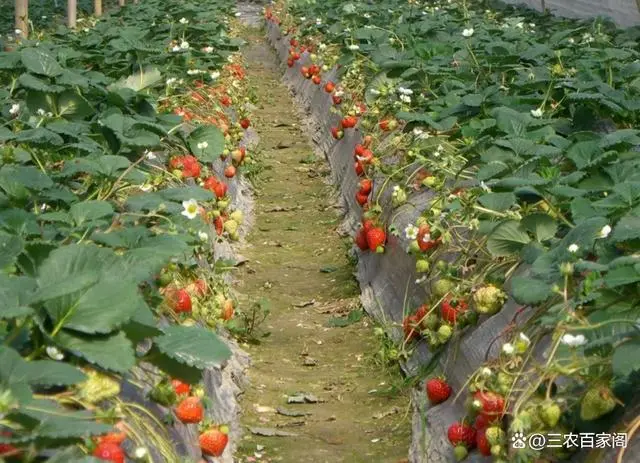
442	287
444	333
422	265
429	181
164	279
164	394
495	435
238	216
98	387
550	414
496	450
231	226
489	300
597	402
431	321
460	452
414	247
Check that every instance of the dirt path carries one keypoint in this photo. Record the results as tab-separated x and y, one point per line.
295	256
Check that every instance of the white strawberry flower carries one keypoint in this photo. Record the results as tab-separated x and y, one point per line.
303	18
405	91
537	113
486	372
214	75
203	236
573	341
203	145
184	45
171	81
238	14
41	112
468	32
18	31
322	46
150	155
208	49
354	47
318	21
15	109
573	248
190	209
54	353
606	230
411	232
141	452
485	187
405	99
184	21
508	349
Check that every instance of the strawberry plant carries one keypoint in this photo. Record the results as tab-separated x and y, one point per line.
521	128
106	137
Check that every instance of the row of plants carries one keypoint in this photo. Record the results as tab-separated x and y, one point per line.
110	210
521	128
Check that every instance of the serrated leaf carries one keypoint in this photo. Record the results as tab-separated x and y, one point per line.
88	211
625	358
628	228
210	136
193	345
138	81
497	201
60	428
527	290
51	373
11	246
543	226
621	276
111	352
507	239
39	61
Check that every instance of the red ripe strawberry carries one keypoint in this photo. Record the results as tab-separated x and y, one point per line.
213	441
316	80
483	443
451	308
116	437
230	171
361	240
437	390
368	224
421	314
245	123
295	56
367	156
386	125
366	185
410	328
190	166
481	422
293	42
376	238
329	87
210	183
220	190
492	404
336	99
359	150
227	310
290	62
314	69
362	198
424	238
109	451
219	224
176	162
190	410
179	300
462	433
359	168
305	72
337	133
226	101
349	122
180	387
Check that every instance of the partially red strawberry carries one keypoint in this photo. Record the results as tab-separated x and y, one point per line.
220	190
219	224
362	198
421	313
492	405
290	62
227	310
337	133
460	433
214	441
230	171
424	238
388	125
226	101
361	240
368	224
108	451
293	42
359	168
180	387
349	122
359	150
376	237
190	410
366	185
366	157
115	437
483	443
8	450
451	308
438	390
210	183
316	80
180	301
481	422
411	328
336	99
329	87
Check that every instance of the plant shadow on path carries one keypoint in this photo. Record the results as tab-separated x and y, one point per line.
295	256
